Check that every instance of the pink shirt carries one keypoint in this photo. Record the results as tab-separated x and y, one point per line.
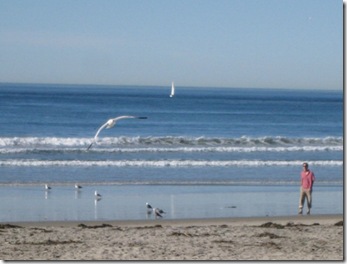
307	179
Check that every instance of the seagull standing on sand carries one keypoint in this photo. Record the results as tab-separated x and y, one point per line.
111	123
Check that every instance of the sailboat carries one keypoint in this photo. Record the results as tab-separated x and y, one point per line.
172	89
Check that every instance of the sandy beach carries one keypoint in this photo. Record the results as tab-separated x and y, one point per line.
304	237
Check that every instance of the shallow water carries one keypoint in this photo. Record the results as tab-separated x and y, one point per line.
124	202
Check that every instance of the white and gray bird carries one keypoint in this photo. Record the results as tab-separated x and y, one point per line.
111	123
97	195
47	187
149	208
158	212
77	187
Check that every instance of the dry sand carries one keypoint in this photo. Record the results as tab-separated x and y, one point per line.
271	238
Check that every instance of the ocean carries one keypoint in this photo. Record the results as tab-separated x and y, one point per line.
206	152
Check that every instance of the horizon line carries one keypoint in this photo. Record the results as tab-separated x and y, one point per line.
169	85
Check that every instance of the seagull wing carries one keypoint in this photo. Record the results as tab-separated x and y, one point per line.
96	135
115	120
124	117
99	130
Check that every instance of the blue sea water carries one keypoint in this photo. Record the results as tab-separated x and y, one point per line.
207	152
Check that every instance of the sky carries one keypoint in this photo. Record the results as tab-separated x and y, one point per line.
204	43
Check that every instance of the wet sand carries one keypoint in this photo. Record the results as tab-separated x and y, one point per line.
306	237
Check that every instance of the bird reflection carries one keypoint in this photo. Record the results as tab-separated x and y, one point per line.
77	194
47	191
47	194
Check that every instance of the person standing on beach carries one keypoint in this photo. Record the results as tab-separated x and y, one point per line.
307	180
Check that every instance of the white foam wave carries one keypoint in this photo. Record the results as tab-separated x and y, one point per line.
37	142
42	141
48	145
164	163
176	150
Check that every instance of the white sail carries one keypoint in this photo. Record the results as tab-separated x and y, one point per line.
172	89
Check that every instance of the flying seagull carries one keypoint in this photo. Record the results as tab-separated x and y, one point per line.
111	123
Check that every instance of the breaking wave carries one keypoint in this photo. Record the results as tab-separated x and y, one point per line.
163	163
170	144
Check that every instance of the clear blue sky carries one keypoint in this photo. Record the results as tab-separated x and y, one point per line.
210	43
